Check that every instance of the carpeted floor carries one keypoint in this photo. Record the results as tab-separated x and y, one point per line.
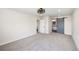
42	42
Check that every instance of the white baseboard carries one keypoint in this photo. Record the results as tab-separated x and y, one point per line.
16	39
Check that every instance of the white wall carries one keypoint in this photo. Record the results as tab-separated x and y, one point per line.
75	27
49	25
15	25
68	25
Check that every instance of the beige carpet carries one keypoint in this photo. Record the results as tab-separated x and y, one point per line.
42	42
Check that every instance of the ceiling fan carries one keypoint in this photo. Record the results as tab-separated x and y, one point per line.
40	13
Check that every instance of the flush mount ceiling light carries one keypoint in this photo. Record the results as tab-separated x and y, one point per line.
41	11
59	11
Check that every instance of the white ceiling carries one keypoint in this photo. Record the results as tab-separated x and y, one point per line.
48	11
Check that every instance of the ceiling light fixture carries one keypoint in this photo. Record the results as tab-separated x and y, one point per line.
59	11
40	12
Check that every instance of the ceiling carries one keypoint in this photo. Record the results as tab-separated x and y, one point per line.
48	11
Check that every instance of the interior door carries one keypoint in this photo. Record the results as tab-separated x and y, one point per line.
60	25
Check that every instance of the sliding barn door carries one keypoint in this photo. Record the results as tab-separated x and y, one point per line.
60	25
